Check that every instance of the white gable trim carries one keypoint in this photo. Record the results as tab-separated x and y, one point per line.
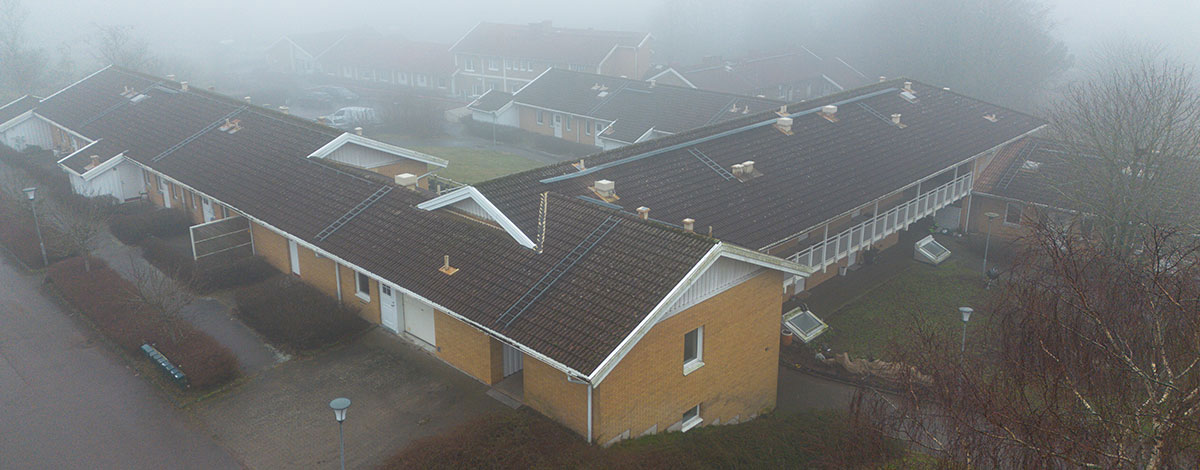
348	138
77	82
672	71
455	45
65	128
101	168
14	122
719	250
469	192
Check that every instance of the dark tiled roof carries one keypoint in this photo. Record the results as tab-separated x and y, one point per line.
541	41
17	108
635	105
1009	176
391	52
263	171
318	43
823	170
492	100
748	75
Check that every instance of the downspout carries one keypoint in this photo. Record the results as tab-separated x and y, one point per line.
337	276
589	425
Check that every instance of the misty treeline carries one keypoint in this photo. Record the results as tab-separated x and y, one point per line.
1003	51
29	67
1088	353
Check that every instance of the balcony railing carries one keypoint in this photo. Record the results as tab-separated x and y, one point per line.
837	246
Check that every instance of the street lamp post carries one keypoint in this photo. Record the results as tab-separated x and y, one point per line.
339	406
966	316
31	193
988	240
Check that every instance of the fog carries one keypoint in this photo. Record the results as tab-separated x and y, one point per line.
188	37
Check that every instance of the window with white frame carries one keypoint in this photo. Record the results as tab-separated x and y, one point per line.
469	65
541	118
404	78
362	286
587	127
1012	213
599	127
569	119
507	64
493	64
691	418
421	81
693	350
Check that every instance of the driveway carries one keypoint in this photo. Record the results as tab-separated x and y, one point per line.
281	418
68	401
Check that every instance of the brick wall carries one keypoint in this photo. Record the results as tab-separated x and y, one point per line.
528	120
648	390
548	392
368	309
470	350
272	246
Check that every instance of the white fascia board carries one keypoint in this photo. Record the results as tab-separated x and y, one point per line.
72	154
645	135
78	82
810	52
718	251
851	67
672	71
610	53
836	84
9	124
550	110
337	259
101	168
469	192
647	38
348	138
472	30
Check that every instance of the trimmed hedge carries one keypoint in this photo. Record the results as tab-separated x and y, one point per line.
525	439
135	227
205	277
104	296
295	315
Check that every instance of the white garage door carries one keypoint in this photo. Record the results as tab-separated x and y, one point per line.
418	320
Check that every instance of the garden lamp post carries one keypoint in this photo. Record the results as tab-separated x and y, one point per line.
966	316
31	193
339	406
988	240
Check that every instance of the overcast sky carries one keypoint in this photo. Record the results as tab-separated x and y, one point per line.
172	25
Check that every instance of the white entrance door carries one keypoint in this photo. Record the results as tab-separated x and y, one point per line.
418	320
165	192
206	206
389	313
558	125
294	256
513	360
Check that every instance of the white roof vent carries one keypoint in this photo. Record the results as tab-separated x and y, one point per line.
829	112
407	180
605	189
784	124
1031	165
908	96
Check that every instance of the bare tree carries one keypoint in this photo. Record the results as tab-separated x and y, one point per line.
117	45
161	295
1090	359
23	65
81	225
1133	133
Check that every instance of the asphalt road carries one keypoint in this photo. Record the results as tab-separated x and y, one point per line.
68	401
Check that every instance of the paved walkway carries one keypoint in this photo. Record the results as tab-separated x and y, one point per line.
206	313
398	393
68	401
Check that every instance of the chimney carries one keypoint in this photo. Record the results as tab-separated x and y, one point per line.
738	169
605	188
896	119
95	162
171	77
882	79
783	110
829	112
652	83
183	86
644	212
582	166
284	109
247	99
446	268
689	225
406	180
784	124
908	87
748	167
358	130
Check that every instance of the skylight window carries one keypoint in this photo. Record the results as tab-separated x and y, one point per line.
804	324
930	251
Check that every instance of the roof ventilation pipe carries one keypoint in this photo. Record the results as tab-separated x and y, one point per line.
358	131
247	100
738	169
748	167
652	83
644	212
171	77
605	188
829	112
689	225
183	85
908	87
784	124
284	110
882	79
896	119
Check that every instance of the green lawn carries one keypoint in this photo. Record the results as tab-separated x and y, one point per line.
472	165
921	296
